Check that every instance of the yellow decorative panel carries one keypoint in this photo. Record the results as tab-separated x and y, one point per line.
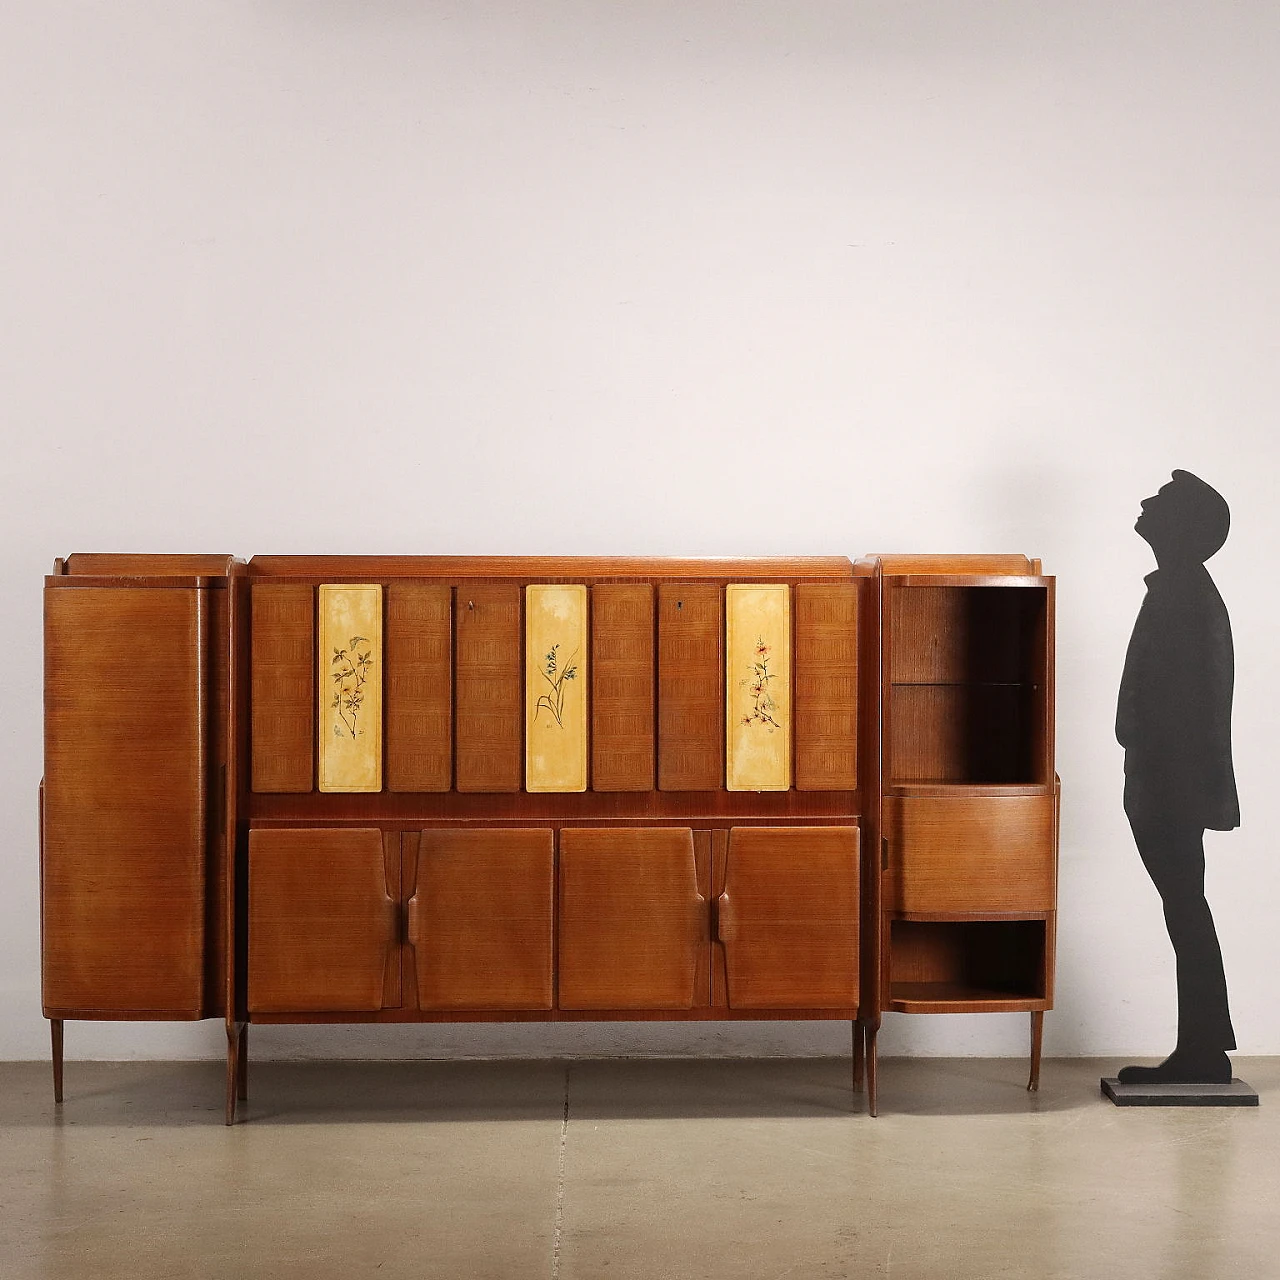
758	679
350	688
555	688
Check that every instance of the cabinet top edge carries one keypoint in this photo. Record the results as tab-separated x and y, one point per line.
712	567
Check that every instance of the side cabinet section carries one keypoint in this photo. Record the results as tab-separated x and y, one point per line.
480	918
324	921
788	917
634	922
126	795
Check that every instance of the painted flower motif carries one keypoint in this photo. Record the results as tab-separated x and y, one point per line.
554	699
757	685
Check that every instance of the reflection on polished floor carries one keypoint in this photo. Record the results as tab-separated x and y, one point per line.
644	1168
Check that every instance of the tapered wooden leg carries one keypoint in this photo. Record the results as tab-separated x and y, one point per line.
859	1056
55	1033
242	1072
872	1030
233	1068
1037	1043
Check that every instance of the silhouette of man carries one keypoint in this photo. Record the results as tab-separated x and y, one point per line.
1173	719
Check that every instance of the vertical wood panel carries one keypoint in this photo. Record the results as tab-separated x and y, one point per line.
480	919
826	686
350	710
622	687
125	800
490	714
690	687
419	645
282	659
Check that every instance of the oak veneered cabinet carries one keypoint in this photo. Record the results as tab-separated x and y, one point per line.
801	788
132	867
480	918
970	801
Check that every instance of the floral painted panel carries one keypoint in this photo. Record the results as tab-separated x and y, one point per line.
555	688
758	679
350	688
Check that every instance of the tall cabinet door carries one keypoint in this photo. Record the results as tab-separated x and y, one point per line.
324	921
126	782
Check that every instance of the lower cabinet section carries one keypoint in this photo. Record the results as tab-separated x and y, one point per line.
605	920
324	921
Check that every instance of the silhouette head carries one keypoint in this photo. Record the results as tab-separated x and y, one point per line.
1185	522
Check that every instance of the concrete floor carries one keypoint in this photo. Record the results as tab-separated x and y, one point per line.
703	1169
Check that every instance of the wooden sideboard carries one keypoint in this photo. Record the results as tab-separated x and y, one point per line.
423	789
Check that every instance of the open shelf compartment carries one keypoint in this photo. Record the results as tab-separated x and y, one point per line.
969	699
967	966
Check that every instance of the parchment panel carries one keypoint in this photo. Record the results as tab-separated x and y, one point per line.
758	687
555	689
350	687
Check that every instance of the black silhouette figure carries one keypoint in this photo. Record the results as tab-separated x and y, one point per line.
1174	721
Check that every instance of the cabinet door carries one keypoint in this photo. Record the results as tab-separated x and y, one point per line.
323	921
788	917
125	799
969	854
480	919
634	923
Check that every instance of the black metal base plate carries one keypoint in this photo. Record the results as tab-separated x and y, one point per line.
1235	1094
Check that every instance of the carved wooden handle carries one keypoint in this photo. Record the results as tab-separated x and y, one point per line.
725	922
411	920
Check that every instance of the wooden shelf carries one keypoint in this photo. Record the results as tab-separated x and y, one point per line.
960	997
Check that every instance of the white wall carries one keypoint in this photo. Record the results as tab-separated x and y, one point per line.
724	277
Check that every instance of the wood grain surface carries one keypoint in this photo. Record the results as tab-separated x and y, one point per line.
633	924
419	686
826	699
283	698
323	920
622	686
788	917
690	686
480	919
126	790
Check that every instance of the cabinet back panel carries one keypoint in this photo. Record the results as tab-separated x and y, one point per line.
970	733
950	635
125	800
982	955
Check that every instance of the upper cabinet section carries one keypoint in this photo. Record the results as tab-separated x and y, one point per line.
472	675
968	657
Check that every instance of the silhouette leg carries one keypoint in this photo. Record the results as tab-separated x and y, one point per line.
859	1057
55	1033
1172	851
